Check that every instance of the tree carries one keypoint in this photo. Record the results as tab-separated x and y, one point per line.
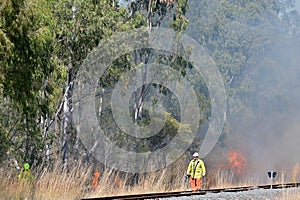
81	26
155	12
27	65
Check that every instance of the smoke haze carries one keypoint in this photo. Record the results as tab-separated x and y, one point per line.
265	122
271	126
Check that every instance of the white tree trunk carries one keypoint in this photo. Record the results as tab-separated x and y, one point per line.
66	122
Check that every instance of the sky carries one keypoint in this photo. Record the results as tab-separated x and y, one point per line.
298	5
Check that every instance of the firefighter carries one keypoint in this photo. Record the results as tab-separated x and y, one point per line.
25	174
196	170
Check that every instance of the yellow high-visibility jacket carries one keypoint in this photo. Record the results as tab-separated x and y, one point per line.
26	175
196	168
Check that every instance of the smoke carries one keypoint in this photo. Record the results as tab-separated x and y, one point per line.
297	5
270	124
264	96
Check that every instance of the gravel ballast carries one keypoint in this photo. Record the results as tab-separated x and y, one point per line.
259	194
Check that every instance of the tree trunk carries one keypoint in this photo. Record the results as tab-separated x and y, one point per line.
66	122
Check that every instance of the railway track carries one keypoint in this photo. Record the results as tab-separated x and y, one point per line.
190	193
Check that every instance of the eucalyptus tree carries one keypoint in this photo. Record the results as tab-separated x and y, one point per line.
81	25
156	13
28	76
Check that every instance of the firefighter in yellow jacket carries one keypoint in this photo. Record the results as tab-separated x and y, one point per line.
196	170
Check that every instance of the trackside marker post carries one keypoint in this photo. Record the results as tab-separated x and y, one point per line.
271	175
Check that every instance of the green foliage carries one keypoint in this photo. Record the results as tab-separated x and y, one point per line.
27	63
158	12
43	43
168	132
180	21
92	21
237	35
27	28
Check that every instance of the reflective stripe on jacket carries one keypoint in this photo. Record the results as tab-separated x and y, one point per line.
196	168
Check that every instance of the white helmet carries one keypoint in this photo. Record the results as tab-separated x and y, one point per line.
196	154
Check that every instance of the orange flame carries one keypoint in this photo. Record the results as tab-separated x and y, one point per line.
95	180
237	162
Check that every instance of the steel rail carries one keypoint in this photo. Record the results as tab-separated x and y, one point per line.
190	193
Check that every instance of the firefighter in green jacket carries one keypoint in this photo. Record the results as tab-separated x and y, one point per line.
25	174
196	170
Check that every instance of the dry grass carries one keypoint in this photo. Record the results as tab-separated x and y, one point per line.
62	183
220	178
170	179
74	182
54	183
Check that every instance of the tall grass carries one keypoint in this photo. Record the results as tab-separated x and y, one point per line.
62	183
74	182
57	182
222	178
169	179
